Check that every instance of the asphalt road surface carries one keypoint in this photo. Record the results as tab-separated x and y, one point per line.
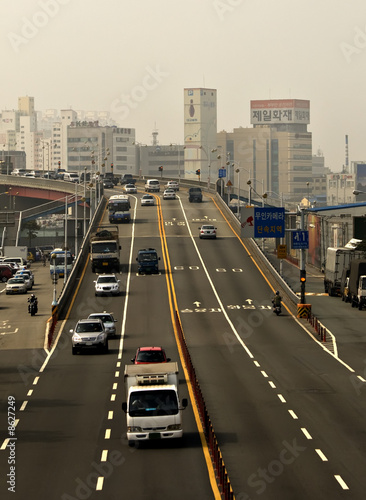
289	416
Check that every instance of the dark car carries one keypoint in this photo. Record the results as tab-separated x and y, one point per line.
148	261
195	194
6	273
108	184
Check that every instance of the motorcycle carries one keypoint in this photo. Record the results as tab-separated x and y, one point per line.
276	309
33	308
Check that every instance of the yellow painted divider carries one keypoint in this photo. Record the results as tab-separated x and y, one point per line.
303	310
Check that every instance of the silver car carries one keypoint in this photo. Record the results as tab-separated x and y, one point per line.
107	284
169	194
108	321
16	285
27	278
207	231
89	333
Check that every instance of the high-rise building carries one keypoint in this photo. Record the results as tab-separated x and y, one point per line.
276	153
200	131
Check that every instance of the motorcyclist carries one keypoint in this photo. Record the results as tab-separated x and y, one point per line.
277	299
32	300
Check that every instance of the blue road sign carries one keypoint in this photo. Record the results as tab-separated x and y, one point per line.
300	239
269	222
222	172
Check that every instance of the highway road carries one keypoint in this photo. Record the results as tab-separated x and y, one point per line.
289	417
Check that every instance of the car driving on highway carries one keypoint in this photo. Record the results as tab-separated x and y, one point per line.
89	333
108	321
146	355
169	194
207	231
147	199
16	285
107	284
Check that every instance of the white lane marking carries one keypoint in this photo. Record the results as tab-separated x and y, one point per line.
107	434
22	408
110	415
361	378
113	397
118	364
100	483
281	398
257	364
115	385
35	381
321	455
239	339
272	384
104	456
264	374
306	433
30	392
293	414
116	374
341	482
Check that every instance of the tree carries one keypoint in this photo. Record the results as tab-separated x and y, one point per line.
31	226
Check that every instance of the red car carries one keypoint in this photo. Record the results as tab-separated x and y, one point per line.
146	355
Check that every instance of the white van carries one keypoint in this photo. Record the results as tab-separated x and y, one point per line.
152	185
71	177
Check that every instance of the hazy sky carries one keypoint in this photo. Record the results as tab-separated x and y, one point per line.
135	57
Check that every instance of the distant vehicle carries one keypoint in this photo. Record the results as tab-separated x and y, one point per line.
111	177
195	194
172	185
127	179
108	183
27	279
147	199
152	186
89	333
29	175
46	250
16	285
105	249
107	284
49	175
26	273
18	171
119	217
338	259
169	194
16	260
148	261
108	321
59	260
5	272
130	188
119	202
150	355
71	177
207	231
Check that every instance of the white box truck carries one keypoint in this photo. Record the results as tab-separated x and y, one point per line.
338	259
153	409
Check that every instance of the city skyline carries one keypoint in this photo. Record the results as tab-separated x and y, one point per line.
135	59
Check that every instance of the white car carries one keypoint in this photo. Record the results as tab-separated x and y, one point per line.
107	284
27	278
207	231
172	185
147	199
89	333
108	321
16	285
169	194
130	188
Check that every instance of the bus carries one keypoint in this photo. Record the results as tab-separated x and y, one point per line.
119	203
57	263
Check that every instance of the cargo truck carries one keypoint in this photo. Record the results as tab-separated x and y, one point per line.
153	409
337	260
105	249
357	283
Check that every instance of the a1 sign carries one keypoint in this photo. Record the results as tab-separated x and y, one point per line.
300	240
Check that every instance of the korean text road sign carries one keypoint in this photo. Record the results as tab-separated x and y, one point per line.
222	172
282	251
263	222
300	239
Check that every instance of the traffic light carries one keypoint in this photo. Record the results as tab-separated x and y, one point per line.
198	171
160	169
59	164
302	275
112	167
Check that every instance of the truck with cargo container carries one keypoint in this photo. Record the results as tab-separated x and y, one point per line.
357	283
105	249
153	408
337	260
